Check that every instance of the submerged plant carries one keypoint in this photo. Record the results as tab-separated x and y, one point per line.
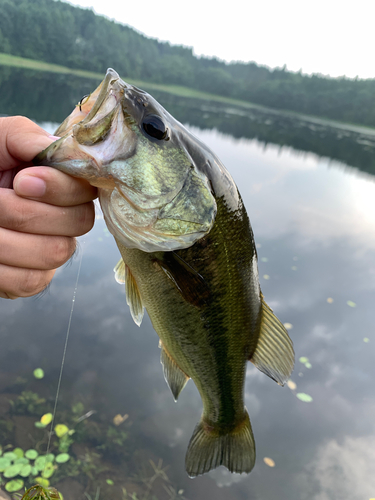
38	492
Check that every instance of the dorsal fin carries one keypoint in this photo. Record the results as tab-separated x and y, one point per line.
174	376
133	297
274	354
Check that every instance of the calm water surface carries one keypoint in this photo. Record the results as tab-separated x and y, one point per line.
314	223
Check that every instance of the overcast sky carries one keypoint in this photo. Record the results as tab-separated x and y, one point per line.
331	37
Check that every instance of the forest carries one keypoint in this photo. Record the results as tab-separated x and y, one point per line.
57	32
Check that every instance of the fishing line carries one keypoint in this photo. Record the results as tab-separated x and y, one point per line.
63	358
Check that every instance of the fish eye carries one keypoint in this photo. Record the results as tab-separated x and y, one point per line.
154	126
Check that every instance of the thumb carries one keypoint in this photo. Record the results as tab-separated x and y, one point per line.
20	141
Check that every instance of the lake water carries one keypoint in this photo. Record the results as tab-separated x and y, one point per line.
310	195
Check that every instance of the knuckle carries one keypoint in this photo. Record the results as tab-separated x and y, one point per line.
33	282
60	251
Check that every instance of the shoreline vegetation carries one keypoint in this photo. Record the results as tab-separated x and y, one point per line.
63	35
177	90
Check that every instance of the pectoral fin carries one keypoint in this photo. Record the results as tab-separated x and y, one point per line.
188	282
133	297
174	376
274	354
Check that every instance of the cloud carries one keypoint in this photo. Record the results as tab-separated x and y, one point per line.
340	471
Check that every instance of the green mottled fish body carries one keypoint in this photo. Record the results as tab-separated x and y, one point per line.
188	257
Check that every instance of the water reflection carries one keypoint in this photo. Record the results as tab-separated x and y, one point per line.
314	223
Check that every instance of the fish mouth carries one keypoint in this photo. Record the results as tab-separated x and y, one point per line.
81	150
89	105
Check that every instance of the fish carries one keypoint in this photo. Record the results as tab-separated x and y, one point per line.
188	257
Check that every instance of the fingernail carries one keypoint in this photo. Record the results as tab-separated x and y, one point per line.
30	186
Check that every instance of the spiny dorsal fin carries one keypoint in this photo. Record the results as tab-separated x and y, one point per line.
174	376
274	354
133	298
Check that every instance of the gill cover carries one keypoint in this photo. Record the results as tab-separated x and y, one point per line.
121	140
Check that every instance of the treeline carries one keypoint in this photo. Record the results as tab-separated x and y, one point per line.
57	32
349	147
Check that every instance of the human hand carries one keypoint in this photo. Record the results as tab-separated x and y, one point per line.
41	211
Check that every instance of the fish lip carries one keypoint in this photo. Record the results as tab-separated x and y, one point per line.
111	77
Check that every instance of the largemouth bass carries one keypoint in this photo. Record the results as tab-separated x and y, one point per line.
188	257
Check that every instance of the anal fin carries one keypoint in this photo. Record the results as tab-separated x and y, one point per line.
133	297
174	376
274	354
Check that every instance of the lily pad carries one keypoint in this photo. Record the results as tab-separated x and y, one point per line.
42	481
38	373
306	398
14	485
4	463
61	430
39	425
40	463
22	460
47	418
10	455
48	471
18	452
62	458
13	470
26	470
34	471
31	454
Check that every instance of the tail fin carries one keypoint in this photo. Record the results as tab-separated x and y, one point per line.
208	449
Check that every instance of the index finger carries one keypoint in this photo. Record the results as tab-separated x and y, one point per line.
20	141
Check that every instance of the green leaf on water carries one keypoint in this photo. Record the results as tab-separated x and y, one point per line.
34	471
366	340
351	303
38	373
39	425
14	485
47	418
306	398
48	470
303	359
31	454
62	458
42	481
110	482
10	455
60	430
26	470
22	460
13	470
308	365
4	463
18	452
40	463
